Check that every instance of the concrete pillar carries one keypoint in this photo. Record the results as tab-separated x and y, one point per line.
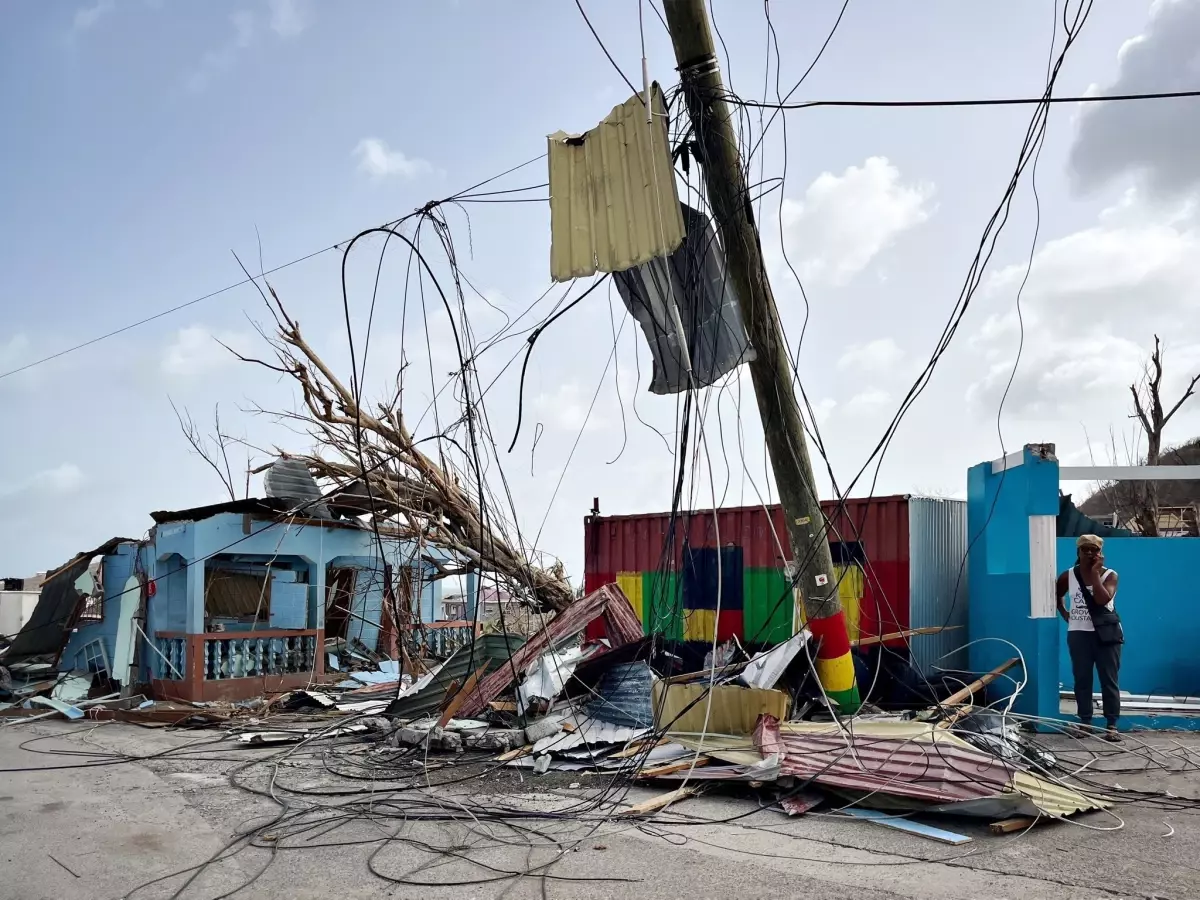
472	598
195	597
431	595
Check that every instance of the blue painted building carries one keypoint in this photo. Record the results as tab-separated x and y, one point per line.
239	598
1014	558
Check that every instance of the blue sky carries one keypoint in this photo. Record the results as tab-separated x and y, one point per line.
146	139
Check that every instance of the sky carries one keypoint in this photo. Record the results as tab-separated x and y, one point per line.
148	141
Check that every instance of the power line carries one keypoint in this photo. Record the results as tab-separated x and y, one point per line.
592	29
248	280
995	101
165	312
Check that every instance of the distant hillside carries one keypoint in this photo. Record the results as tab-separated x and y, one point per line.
1170	493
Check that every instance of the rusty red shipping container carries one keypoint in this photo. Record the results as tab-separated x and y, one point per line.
872	543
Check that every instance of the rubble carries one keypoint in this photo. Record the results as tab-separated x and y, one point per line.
557	701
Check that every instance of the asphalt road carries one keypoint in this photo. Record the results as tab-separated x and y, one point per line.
91	825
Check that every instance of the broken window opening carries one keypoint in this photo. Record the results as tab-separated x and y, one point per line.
339	598
236	597
91	585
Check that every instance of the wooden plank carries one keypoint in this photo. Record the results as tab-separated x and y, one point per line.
515	753
461	697
952	719
897	635
451	693
1016	823
909	826
654	804
672	768
979	684
508	706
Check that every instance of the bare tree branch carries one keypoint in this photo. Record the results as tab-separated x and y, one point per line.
200	445
372	453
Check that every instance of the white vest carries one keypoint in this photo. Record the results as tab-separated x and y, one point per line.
1079	619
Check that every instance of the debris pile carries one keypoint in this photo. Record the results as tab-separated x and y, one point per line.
589	693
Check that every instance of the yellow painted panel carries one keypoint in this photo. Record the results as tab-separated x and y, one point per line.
613	200
630	584
850	593
699	624
732	710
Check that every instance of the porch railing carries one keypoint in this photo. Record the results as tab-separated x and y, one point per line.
440	639
226	655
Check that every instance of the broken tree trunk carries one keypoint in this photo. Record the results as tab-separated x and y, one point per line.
403	490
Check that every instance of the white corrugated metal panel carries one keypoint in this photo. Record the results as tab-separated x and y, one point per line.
15	609
613	200
937	538
1043	546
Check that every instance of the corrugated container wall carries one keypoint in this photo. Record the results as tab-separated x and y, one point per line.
898	561
937	561
870	539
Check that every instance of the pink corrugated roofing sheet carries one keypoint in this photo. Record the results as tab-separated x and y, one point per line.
934	771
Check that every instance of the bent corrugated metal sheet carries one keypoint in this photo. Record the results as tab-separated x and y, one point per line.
613	201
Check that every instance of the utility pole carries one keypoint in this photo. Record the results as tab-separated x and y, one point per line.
770	372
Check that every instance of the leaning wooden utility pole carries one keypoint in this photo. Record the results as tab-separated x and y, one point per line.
771	373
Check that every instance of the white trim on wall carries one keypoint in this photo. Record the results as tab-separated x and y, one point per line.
1043	538
1127	473
1008	462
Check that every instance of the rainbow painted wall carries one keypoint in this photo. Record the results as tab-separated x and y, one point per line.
897	561
756	603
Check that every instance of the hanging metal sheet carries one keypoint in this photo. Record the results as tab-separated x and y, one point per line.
687	292
613	201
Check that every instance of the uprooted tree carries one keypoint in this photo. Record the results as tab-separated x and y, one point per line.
373	458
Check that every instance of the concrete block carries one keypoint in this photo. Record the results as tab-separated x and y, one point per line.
499	739
543	728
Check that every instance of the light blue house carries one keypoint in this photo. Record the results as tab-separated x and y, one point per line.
237	599
1016	552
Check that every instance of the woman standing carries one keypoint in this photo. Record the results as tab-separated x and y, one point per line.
1094	634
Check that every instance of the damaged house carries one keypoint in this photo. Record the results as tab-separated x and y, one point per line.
226	602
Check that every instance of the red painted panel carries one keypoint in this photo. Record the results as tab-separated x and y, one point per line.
729	624
593	581
884	606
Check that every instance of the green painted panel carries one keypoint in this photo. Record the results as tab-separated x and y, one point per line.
662	604
768	619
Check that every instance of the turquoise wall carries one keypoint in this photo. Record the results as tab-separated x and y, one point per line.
1157	600
1000	626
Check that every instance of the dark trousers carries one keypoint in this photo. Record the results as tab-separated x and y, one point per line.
1087	653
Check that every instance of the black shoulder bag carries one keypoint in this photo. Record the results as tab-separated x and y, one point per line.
1106	621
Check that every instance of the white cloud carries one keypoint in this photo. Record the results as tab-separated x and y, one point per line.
823	409
845	221
1094	301
869	401
288	17
86	17
196	351
566	408
378	160
1154	140
215	62
873	356
62	479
